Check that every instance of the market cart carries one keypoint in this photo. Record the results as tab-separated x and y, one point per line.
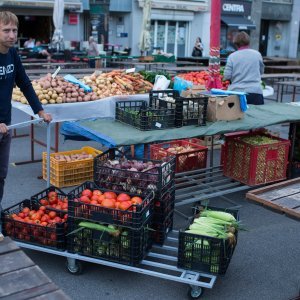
196	280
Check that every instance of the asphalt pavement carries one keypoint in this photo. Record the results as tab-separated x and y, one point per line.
265	265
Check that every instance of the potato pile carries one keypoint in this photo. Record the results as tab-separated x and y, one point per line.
73	157
55	90
117	82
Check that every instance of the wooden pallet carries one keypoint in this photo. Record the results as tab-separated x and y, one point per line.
21	279
283	197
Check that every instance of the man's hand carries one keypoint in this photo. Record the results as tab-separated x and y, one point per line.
47	117
3	128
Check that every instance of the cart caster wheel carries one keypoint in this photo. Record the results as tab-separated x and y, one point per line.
75	268
195	292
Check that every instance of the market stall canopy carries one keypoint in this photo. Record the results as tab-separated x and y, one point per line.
73	5
238	22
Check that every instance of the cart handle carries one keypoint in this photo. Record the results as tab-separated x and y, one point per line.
25	124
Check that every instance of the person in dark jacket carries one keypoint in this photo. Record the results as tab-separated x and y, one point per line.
11	72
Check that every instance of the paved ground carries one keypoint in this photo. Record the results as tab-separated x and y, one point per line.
265	265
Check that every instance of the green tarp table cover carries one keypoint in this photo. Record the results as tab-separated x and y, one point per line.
113	133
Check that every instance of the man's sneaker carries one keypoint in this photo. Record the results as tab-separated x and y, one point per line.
1	237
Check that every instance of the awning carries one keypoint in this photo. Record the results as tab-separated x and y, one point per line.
238	22
72	5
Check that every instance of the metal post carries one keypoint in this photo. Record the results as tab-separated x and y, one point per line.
214	58
48	152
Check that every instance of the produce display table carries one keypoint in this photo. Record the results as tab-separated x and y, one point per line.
102	108
282	84
73	111
21	279
283	69
112	133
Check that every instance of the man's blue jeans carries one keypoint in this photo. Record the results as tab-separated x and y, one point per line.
5	140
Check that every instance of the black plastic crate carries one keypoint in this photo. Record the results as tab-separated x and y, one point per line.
163	98
47	236
203	253
139	115
164	205
135	216
162	228
188	111
191	111
44	195
129	247
135	182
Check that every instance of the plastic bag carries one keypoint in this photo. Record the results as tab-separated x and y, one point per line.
161	83
181	84
74	80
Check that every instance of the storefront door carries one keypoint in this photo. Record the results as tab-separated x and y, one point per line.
264	35
170	36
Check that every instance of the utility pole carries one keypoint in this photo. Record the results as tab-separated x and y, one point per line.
214	57
256	12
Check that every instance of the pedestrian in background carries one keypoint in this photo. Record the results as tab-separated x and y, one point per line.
29	43
38	48
12	72
244	68
92	51
198	48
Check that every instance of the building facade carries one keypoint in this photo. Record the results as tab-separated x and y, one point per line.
174	25
35	19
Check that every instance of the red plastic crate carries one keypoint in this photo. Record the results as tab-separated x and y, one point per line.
255	164
187	161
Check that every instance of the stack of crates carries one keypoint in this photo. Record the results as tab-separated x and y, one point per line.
160	181
112	234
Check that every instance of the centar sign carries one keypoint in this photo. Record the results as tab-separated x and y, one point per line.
228	7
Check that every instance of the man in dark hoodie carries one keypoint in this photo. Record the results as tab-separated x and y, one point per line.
11	72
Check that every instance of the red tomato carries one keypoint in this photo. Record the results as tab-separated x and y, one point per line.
124	205
85	199
110	195
97	192
87	193
123	197
109	203
136	200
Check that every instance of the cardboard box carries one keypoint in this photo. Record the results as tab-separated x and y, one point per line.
194	91
224	108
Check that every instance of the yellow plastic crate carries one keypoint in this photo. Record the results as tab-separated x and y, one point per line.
63	174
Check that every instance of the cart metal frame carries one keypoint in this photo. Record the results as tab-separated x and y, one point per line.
167	263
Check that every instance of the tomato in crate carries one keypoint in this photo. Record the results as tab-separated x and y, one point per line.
189	156
29	222
91	202
52	198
